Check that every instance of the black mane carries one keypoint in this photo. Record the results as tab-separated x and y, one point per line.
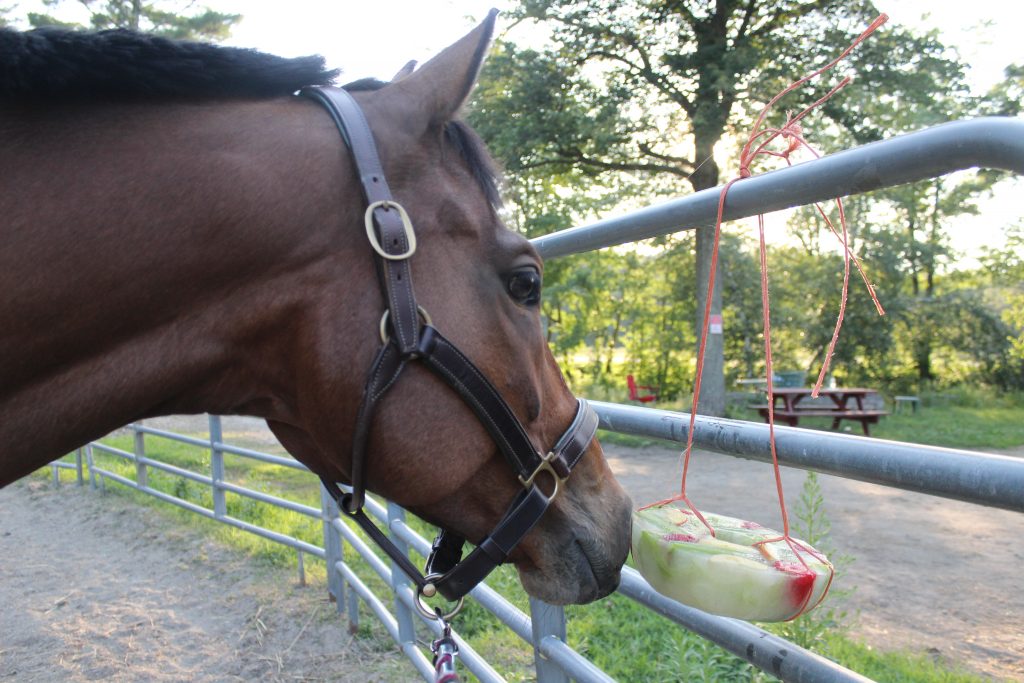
50	64
56	64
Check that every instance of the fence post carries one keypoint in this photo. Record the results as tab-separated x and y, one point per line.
141	473
220	506
332	548
548	620
403	615
78	467
92	468
302	568
353	610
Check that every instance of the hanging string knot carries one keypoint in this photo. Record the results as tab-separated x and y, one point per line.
793	132
756	144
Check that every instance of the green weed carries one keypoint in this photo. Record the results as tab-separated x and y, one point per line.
955	421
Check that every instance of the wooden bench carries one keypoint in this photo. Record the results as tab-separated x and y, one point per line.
912	401
792	417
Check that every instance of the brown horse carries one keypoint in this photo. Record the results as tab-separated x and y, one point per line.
179	244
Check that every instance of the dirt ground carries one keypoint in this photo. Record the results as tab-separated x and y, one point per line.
929	574
91	590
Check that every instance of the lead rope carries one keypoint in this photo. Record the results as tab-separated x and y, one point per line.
445	650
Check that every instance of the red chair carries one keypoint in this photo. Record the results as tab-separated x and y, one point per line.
634	391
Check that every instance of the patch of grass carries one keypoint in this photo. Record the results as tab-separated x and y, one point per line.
632	644
898	666
999	425
957	426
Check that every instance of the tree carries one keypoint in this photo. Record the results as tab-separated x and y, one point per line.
1007	97
672	77
1003	269
917	215
171	19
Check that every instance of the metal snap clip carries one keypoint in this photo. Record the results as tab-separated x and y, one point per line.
430	590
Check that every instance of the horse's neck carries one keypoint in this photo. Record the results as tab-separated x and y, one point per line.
152	274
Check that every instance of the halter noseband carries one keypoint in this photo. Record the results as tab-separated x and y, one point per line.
413	337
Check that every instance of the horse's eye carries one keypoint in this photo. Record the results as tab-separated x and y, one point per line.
524	286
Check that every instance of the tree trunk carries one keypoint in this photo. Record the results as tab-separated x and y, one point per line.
712	394
923	358
136	20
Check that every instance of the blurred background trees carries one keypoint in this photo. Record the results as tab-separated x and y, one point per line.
167	18
628	102
634	101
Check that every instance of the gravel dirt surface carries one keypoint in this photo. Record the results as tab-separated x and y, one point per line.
90	588
95	587
930	575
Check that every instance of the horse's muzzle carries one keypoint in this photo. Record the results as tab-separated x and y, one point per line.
583	561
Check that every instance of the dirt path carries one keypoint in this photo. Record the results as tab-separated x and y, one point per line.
90	590
929	574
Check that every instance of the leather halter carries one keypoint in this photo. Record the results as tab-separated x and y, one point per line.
405	339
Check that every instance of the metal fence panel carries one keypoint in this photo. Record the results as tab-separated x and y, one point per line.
992	480
544	629
993	142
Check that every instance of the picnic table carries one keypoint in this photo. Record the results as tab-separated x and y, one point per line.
846	404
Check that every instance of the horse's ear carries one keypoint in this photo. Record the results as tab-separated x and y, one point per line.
436	92
406	70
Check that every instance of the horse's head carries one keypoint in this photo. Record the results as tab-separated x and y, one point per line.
480	283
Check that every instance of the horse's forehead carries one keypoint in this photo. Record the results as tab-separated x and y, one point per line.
410	149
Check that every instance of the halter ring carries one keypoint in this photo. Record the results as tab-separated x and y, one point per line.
371	233
430	590
545	466
385	337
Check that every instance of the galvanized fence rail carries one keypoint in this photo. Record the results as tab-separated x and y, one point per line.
543	629
977	478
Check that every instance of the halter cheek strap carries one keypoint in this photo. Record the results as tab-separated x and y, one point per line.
407	336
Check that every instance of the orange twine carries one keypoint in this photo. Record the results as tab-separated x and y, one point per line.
793	134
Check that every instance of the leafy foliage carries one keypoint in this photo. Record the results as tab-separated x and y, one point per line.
631	100
169	18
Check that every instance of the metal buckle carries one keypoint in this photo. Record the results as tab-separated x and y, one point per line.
545	466
384	336
371	234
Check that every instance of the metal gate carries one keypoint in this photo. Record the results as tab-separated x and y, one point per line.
989	480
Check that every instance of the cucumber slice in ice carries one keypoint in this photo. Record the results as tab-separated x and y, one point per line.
726	574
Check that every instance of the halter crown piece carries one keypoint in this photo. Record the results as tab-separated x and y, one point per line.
408	335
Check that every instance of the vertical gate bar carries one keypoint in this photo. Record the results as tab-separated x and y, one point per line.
548	620
332	549
89	464
404	616
78	467
56	474
141	473
220	506
353	611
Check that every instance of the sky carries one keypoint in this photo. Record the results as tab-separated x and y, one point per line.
376	38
